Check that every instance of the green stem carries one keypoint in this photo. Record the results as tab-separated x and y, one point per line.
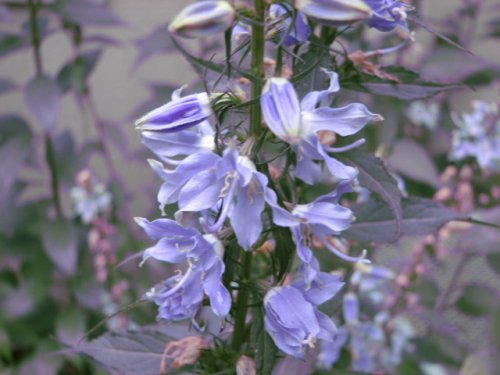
242	302
257	66
49	147
54	177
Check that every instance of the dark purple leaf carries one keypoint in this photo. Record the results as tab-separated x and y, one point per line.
404	159
6	86
85	12
43	97
375	223
374	176
127	353
158	41
60	240
409	87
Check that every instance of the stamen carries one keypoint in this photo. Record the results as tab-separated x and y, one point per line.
341	255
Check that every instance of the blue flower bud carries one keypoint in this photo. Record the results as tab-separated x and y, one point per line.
202	19
335	12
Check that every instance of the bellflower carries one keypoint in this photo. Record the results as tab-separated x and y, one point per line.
180	297
294	322
322	218
298	123
387	14
178	114
335	12
203	18
297	33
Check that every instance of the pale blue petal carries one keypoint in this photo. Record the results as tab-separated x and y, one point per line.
170	250
345	121
200	192
160	228
312	99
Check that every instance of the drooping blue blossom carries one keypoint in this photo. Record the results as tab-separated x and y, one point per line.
387	14
180	297
282	17
178	114
292	318
322	218
298	123
229	186
330	350
478	135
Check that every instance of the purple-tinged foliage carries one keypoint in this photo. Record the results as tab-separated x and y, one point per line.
282	17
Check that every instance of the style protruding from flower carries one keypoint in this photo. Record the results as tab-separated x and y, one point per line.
203	18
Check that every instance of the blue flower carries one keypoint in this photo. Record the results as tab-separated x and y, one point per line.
228	186
178	114
322	218
180	296
387	14
335	12
298	123
293	322
281	16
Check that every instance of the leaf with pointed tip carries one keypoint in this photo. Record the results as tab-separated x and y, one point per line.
11	42
374	176
127	353
75	74
476	300
60	240
43	96
409	87
6	86
156	42
374	222
403	160
84	12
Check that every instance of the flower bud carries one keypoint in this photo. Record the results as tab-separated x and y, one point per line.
335	12
203	18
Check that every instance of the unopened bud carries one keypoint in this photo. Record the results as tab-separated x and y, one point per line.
245	366
202	19
335	12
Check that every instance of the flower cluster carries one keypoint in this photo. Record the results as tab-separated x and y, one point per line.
478	136
227	198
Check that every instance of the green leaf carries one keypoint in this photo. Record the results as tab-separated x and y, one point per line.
127	353
409	87
75	74
476	300
438	349
11	43
265	349
284	251
374	176
493	261
84	12
375	223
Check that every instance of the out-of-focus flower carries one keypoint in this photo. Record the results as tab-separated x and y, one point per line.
178	114
182	352
387	14
322	218
203	18
335	12
246	366
281	18
180	296
478	136
294	322
90	197
298	124
426	114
